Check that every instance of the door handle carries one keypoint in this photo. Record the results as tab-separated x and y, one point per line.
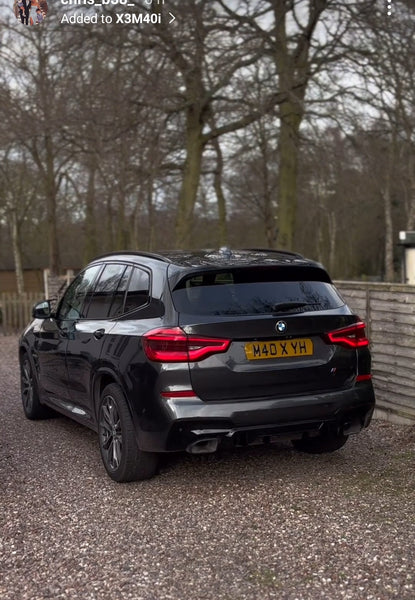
99	333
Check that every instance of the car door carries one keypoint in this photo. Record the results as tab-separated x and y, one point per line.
51	338
85	345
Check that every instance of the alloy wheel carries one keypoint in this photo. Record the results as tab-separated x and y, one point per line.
111	433
28	389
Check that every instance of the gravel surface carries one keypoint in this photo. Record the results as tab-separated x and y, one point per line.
263	522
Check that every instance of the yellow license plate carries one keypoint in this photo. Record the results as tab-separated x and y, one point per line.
279	349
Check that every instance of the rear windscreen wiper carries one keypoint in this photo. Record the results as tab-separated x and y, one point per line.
283	306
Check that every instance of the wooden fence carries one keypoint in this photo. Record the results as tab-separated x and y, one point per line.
389	311
16	311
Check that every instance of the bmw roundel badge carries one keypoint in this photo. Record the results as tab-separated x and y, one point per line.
281	326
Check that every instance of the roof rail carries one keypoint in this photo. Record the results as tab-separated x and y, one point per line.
274	250
135	253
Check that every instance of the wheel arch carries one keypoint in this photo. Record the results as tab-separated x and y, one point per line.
103	377
26	351
23	349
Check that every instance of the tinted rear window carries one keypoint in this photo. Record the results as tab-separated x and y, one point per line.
255	292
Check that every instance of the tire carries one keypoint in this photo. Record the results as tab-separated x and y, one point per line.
122	458
32	407
326	442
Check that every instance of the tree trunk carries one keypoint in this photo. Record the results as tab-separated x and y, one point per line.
145	197
387	205
220	196
122	227
269	211
389	271
151	218
332	228
123	236
191	178
288	152
17	254
270	229
411	175
91	246
109	224
293	77
51	194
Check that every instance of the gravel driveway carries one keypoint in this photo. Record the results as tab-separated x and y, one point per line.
256	523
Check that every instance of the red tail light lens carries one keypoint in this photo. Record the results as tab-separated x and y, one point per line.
174	345
353	336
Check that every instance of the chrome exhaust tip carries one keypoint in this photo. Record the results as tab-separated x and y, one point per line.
203	446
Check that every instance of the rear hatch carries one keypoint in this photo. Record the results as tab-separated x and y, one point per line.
279	323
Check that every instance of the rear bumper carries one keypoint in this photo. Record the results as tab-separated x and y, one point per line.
190	421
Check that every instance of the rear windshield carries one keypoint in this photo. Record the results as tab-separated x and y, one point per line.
255	292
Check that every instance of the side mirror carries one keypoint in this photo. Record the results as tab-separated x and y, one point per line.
42	310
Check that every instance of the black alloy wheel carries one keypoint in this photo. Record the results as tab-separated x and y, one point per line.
122	458
32	407
110	429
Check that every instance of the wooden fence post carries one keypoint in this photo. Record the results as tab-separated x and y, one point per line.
16	311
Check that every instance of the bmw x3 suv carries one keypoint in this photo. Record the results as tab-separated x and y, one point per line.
190	351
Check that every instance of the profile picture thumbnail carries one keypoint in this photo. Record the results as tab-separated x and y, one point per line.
30	12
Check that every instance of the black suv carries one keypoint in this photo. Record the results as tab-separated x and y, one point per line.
193	350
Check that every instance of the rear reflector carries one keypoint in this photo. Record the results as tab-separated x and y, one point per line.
174	345
366	377
179	394
353	336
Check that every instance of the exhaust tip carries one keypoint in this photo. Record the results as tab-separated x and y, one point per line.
203	446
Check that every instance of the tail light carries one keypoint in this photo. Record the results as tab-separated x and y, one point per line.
353	336
174	345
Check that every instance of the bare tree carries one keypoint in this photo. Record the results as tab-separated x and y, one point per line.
35	113
303	38
207	54
389	89
19	196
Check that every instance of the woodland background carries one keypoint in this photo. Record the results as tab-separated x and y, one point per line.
249	123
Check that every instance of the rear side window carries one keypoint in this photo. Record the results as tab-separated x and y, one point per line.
117	306
138	293
120	289
254	292
105	291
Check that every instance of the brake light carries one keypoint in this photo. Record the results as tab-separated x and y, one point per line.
353	336
174	345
